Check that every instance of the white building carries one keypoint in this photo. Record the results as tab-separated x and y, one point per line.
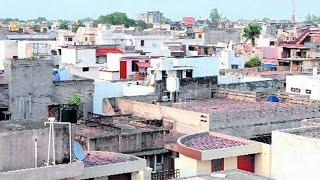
150	17
304	85
8	50
163	68
229	60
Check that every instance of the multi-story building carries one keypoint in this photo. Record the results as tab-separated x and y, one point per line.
151	17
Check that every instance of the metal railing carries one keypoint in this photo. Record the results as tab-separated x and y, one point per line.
165	174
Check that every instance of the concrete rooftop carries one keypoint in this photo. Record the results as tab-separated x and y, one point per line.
225	105
99	158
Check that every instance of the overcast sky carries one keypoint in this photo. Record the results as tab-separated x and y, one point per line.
174	9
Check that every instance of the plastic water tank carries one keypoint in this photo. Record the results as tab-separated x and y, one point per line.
173	84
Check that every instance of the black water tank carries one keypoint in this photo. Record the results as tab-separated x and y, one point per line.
69	115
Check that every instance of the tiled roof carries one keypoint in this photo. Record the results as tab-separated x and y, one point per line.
208	141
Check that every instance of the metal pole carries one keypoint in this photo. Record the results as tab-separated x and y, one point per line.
35	152
48	158
53	144
70	141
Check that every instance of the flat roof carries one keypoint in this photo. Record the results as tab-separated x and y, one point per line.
99	158
216	105
309	131
228	175
20	125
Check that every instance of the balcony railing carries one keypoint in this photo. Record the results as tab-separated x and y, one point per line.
165	175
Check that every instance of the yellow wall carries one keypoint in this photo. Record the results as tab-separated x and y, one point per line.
263	161
230	163
187	166
203	167
294	157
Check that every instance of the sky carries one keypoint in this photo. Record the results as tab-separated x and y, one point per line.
173	9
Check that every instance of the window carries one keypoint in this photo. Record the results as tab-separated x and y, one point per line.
164	75
308	91
142	43
217	165
189	73
69	39
272	43
134	66
86	39
85	69
296	90
234	66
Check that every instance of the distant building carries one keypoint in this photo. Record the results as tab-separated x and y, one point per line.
150	17
189	21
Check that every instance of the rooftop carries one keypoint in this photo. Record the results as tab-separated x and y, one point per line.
21	125
311	132
216	105
228	175
209	141
209	145
99	158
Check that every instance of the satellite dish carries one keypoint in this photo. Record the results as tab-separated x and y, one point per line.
78	151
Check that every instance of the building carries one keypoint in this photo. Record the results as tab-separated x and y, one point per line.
307	85
209	152
29	141
295	152
230	60
151	17
189	21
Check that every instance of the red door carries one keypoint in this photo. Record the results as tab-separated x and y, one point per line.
246	163
123	69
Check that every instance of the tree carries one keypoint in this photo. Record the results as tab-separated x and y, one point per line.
40	19
165	20
117	18
313	19
253	62
75	100
76	27
251	32
141	24
214	15
36	28
64	25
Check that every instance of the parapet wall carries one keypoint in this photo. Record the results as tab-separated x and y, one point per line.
254	123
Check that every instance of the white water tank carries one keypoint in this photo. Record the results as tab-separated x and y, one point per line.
173	84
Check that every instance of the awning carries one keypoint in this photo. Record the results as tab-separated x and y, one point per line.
143	64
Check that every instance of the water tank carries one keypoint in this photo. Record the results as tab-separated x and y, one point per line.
69	115
173	84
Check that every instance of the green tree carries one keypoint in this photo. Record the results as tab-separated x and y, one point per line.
214	15
36	28
141	24
75	100
313	19
117	18
251	32
64	25
76	27
40	19
253	62
165	20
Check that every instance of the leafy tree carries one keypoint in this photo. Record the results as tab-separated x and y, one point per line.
141	24
251	32
253	62
117	18
40	19
313	19
76	27
165	20
64	25
214	15
75	100
36	28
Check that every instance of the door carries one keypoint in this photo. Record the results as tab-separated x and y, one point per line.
246	163
120	177
123	69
